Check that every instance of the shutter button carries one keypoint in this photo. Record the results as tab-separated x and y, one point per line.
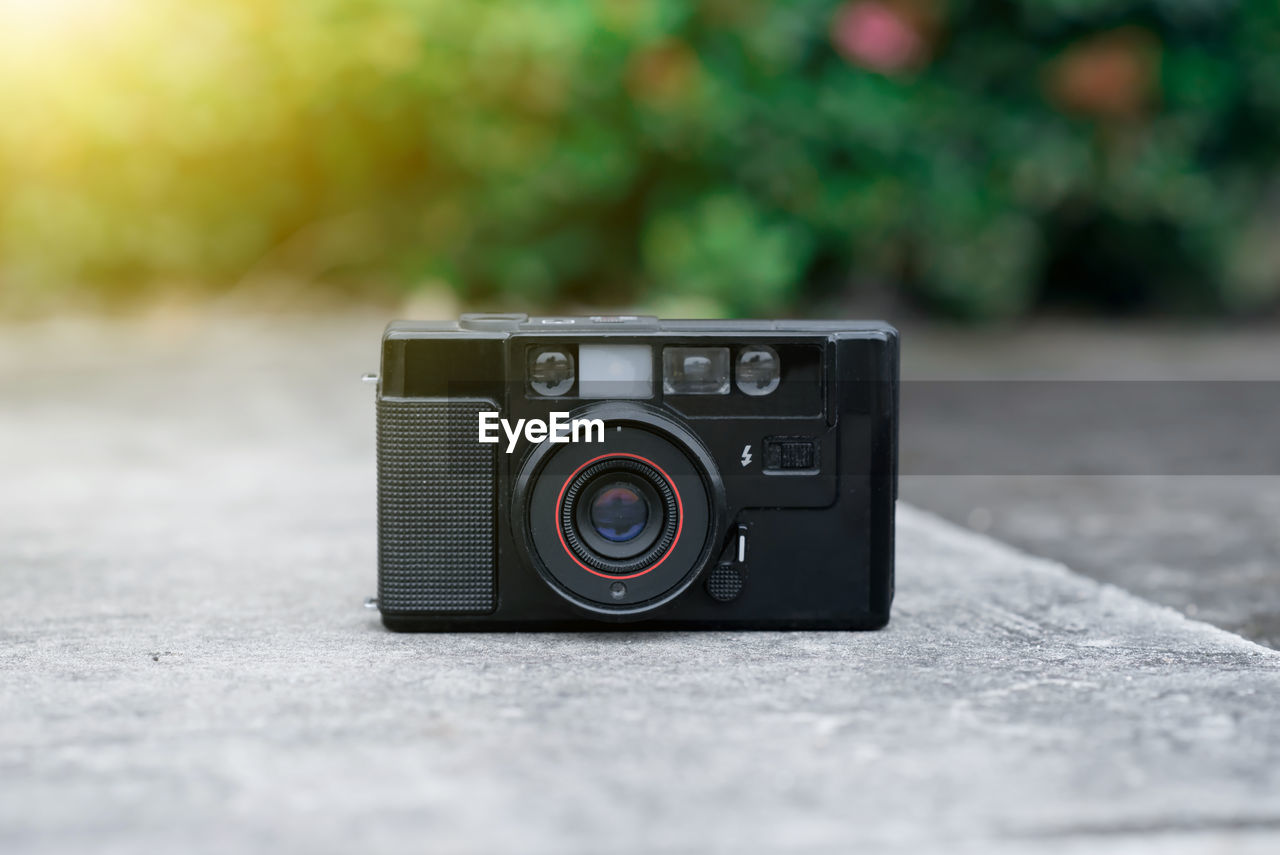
492	321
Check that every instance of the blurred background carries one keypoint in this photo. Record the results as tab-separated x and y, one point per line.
972	159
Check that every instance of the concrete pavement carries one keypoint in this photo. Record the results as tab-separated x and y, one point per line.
186	532
1142	455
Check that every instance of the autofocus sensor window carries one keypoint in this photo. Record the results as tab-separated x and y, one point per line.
550	371
758	370
695	370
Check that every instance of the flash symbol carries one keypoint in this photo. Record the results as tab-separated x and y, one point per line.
746	455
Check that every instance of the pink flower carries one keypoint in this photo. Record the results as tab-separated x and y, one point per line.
877	37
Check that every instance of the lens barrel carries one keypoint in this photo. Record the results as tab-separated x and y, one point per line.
620	527
653	495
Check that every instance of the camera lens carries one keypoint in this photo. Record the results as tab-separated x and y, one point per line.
619	512
622	527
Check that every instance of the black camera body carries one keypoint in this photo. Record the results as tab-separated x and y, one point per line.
556	473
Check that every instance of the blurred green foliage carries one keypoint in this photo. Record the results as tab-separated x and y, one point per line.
728	156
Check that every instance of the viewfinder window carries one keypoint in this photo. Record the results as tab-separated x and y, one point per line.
695	370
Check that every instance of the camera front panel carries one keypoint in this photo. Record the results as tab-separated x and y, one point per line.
770	451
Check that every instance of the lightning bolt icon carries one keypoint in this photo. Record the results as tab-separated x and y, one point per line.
746	455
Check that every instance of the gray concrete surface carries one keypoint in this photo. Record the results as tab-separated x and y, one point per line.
1142	455
186	531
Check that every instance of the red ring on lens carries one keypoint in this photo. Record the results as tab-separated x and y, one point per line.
679	513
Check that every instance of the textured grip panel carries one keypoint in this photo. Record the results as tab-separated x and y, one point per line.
436	493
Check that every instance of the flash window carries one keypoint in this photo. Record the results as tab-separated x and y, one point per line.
615	371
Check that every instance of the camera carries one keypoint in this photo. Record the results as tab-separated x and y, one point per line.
587	473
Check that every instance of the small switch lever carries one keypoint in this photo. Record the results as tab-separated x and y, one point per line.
790	453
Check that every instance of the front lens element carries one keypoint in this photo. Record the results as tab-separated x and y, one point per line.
619	512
